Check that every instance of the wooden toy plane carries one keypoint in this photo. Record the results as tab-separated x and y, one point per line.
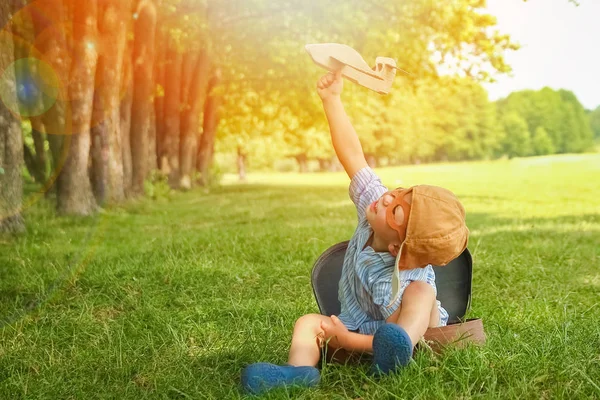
335	57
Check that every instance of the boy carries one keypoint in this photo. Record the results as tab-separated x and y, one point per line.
387	289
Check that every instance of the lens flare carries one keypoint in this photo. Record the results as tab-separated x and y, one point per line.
36	87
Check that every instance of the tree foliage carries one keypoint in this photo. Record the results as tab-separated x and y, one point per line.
269	76
558	112
594	117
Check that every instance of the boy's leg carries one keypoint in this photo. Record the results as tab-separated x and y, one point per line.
393	342
306	340
418	310
300	370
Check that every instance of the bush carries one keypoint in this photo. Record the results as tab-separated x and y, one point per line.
157	186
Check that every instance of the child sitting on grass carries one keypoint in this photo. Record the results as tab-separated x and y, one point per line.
387	289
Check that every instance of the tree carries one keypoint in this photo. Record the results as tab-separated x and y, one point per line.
466	119
517	141
194	81
578	131
172	107
32	77
211	121
52	42
594	117
11	141
541	142
143	92
74	191
255	134
107	158
557	111
125	110
159	91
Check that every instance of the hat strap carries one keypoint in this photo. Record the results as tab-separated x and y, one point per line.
396	278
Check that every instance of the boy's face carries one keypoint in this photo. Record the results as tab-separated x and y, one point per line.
376	216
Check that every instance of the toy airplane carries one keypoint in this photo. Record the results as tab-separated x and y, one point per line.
335	57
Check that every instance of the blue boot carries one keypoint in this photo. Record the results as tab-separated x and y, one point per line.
260	377
392	348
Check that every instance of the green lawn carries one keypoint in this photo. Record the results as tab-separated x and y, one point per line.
172	297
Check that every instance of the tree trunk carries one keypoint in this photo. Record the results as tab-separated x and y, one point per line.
152	161
125	114
159	99
188	65
30	78
32	167
143	58
302	162
211	121
172	118
324	164
39	142
75	193
35	161
191	118
11	138
49	18
57	122
99	148
107	157
241	164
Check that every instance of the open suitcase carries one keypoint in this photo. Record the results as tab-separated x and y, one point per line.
454	292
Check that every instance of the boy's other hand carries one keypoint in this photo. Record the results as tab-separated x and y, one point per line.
335	332
330	85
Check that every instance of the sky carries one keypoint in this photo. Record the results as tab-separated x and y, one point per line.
560	47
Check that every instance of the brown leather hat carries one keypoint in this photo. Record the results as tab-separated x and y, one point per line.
436	232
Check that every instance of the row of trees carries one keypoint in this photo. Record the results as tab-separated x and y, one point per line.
115	89
445	118
111	90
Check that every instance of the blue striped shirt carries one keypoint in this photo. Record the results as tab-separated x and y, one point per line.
366	283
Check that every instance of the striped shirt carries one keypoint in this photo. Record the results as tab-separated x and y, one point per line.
366	283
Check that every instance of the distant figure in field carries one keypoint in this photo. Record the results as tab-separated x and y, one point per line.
387	289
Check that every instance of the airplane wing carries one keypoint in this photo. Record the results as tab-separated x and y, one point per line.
369	72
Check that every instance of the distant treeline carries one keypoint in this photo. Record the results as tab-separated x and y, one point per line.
442	119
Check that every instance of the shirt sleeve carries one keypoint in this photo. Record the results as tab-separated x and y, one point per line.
365	188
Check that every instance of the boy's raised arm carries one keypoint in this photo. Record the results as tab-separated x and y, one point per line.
343	136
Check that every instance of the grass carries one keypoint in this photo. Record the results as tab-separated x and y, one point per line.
170	298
